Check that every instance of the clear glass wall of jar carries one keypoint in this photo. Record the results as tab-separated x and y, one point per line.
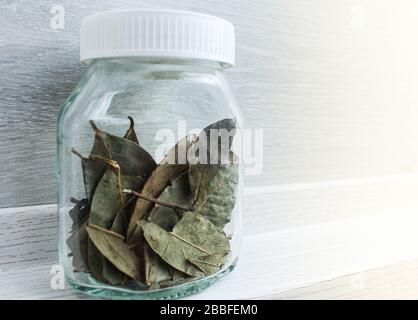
142	215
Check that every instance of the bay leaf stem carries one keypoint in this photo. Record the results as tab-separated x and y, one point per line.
110	232
78	154
189	243
207	263
93	125
115	165
160	202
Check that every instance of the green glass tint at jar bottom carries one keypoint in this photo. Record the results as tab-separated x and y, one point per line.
149	175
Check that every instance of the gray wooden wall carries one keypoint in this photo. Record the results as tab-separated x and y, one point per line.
332	83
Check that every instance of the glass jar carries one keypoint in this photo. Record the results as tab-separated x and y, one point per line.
148	171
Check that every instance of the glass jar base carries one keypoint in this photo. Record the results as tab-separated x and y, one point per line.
176	292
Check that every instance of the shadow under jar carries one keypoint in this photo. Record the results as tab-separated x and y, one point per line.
149	174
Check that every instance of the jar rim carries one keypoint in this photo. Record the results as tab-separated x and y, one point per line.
160	60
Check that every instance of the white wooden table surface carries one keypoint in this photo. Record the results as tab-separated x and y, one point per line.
299	262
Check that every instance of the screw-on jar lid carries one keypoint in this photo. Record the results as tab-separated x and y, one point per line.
157	33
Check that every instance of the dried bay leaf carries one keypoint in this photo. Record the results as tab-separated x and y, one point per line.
132	159
160	178
198	230
93	171
177	278
155	184
227	124
111	274
79	213
215	149
109	199
121	221
214	188
95	260
169	248
77	242
93	168
156	270
178	281
214	185
210	263
78	245
111	209
177	275
177	192
114	248
164	217
107	202
120	224
194	236
130	133
161	215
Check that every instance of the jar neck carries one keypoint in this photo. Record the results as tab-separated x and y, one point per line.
185	64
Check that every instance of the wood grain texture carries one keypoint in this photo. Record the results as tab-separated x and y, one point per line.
283	206
301	256
333	85
28	235
388	283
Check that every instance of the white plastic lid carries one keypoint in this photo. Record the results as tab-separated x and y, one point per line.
157	33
